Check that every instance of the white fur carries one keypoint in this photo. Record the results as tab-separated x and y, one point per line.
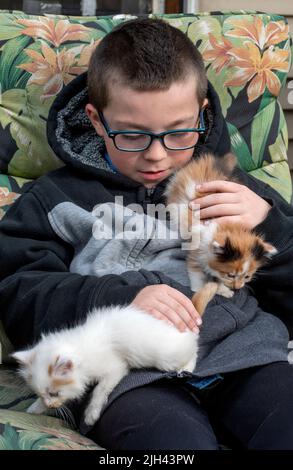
197	279
111	342
190	190
225	291
245	267
203	255
204	252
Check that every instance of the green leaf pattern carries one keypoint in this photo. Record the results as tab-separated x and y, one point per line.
22	431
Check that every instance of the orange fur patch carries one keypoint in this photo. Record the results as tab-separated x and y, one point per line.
241	238
203	169
201	298
243	241
60	382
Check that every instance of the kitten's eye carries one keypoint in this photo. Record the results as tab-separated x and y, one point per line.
231	276
54	394
247	277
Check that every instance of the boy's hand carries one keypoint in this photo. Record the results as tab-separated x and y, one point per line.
231	202
169	304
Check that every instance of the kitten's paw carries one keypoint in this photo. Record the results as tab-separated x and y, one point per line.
225	291
190	366
37	407
92	414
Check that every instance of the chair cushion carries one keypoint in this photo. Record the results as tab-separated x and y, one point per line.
23	431
247	57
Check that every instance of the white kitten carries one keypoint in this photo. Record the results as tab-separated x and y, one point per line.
103	349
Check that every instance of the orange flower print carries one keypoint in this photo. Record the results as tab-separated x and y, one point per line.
82	63
251	65
52	69
86	53
218	55
276	32
262	35
7	197
55	32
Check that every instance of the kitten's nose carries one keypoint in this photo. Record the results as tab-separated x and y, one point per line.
52	403
238	285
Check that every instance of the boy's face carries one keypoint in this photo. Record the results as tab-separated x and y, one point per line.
155	111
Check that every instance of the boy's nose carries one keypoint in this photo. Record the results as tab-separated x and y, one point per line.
156	151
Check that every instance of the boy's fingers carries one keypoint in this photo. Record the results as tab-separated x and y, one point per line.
186	303
231	219
220	210
178	314
213	200
219	186
171	305
156	312
163	312
176	319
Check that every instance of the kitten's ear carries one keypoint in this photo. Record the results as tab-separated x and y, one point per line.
262	249
270	250
62	366
217	248
24	358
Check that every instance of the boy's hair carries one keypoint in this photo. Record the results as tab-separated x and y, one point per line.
144	54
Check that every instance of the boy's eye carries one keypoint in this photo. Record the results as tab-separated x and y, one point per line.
131	136
179	135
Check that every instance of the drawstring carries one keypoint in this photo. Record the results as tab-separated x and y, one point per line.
141	195
113	168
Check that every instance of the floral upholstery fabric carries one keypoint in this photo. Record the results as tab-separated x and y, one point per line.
22	431
247	57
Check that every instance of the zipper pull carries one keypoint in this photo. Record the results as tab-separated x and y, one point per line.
150	192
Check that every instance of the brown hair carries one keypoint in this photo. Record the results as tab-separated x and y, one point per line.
145	54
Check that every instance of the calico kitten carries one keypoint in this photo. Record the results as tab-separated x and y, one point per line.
103	349
227	253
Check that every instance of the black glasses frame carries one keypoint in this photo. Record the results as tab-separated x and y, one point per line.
112	134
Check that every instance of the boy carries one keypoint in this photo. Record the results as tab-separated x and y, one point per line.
148	79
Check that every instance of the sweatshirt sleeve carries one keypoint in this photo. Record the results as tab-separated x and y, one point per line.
273	283
38	293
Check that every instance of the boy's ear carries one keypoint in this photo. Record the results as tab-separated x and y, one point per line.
93	116
205	103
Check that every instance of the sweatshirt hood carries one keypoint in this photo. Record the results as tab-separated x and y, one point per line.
75	141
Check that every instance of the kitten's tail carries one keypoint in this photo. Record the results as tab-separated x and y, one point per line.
202	297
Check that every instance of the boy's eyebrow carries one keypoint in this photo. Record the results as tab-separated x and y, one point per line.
129	125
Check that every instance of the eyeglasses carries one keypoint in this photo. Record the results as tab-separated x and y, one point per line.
137	141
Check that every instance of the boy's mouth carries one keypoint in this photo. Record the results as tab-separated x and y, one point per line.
152	175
